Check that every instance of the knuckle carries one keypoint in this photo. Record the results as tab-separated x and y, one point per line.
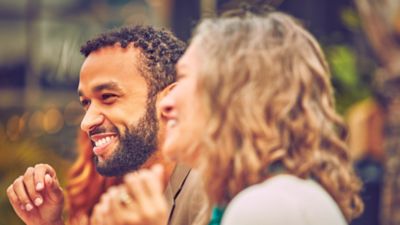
23	199
39	165
28	174
148	214
18	180
29	169
42	167
9	189
112	189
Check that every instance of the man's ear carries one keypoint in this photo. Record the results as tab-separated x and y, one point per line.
165	91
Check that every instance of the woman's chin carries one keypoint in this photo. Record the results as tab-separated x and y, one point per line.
168	150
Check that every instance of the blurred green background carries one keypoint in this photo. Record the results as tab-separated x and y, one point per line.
40	62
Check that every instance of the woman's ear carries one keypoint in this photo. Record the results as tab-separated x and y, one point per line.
162	95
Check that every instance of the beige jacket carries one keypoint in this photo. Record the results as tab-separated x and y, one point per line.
185	196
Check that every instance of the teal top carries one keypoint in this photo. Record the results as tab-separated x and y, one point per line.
216	215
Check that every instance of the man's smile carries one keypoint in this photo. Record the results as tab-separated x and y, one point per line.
102	141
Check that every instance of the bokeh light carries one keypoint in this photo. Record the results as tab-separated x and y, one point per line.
2	132
36	123
13	125
53	121
73	113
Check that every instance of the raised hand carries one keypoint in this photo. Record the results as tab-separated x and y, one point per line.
37	197
140	200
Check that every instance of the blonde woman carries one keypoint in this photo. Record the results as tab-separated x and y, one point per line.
253	110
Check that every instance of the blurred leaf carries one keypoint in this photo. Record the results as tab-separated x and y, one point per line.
343	62
350	86
350	18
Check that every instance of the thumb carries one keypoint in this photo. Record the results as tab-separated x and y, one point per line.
159	174
158	171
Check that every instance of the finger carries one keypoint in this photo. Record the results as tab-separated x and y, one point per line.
97	217
153	206
148	193
93	218
103	210
153	181
121	213
40	171
20	191
100	210
116	205
158	170
146	183
30	187
155	209
82	219
53	190
136	189
15	203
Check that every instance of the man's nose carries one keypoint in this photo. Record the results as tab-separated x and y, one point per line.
92	119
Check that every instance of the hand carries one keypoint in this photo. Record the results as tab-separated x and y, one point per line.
140	200
37	197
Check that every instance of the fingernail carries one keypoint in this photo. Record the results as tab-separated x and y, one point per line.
39	186
28	207
47	178
22	207
38	201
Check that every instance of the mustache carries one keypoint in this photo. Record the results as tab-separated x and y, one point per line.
99	130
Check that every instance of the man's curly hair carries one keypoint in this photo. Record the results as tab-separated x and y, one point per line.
160	50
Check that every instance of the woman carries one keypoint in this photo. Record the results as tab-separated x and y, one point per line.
253	110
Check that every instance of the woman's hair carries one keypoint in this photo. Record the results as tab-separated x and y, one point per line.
85	185
265	82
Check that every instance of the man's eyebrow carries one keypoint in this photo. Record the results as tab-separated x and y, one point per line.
112	86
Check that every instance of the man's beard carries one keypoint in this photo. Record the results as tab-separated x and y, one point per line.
135	147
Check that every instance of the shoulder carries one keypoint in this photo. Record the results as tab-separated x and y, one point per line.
265	203
190	199
193	196
283	199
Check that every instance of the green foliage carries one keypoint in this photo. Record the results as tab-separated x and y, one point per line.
350	18
351	68
343	64
351	85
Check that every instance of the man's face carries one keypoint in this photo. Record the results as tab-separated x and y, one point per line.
119	118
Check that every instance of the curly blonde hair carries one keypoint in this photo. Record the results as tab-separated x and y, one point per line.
266	84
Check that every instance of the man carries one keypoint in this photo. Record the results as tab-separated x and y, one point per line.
125	74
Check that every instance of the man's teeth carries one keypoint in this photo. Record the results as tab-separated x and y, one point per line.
103	141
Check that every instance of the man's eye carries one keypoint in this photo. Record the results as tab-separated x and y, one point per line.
85	102
108	97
